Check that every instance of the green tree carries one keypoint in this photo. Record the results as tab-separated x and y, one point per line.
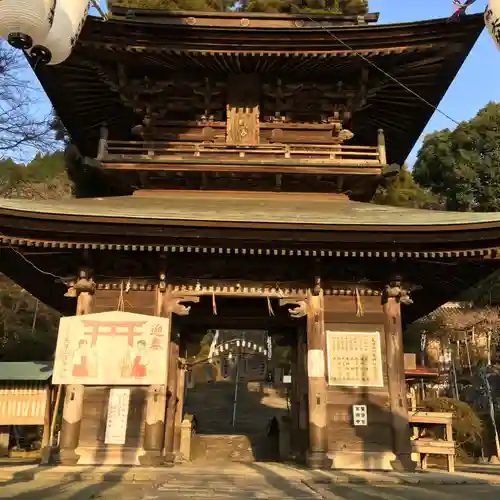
354	7
44	177
401	190
28	328
463	165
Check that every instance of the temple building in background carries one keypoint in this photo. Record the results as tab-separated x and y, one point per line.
224	165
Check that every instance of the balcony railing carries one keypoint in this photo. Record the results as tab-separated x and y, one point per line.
178	152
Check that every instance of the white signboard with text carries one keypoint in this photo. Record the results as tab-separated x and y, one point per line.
112	348
354	359
116	424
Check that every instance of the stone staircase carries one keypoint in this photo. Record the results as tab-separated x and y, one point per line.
216	439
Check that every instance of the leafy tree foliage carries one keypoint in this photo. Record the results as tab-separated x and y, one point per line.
402	191
28	328
354	7
463	165
43	178
173	5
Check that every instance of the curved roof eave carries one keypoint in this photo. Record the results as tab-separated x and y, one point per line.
277	219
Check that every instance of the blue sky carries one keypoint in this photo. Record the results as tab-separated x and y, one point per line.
479	79
477	83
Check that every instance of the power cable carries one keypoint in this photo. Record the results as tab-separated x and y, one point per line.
388	75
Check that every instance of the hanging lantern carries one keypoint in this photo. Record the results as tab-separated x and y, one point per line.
69	18
492	20
26	22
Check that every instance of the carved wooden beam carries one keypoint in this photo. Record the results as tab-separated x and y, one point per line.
297	309
395	290
175	304
83	289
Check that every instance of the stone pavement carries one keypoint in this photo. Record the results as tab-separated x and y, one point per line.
240	481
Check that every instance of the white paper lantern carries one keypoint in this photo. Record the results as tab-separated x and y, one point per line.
492	20
25	23
68	22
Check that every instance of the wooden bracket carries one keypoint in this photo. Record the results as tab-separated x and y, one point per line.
299	308
396	291
174	305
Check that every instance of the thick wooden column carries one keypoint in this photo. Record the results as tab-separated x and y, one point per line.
156	398
181	380
73	400
174	305
295	399
302	394
172	400
392	298
316	377
316	456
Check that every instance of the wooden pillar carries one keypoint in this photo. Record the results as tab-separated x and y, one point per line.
153	430
172	401
46	437
316	377
4	440
382	155
295	398
392	298
173	305
157	394
181	379
302	395
73	400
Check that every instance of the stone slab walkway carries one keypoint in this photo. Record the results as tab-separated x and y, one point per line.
484	474
253	481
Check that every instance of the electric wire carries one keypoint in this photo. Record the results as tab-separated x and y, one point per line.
385	73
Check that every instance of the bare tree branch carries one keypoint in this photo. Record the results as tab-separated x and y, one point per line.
25	119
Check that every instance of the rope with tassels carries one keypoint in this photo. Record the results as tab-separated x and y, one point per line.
269	306
121	301
214	305
359	304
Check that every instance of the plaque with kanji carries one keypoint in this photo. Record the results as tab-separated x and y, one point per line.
116	424
112	348
360	415
354	359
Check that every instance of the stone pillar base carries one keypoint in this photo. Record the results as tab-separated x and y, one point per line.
45	455
403	463
169	459
151	458
316	460
68	457
361	460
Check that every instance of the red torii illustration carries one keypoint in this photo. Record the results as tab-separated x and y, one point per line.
128	327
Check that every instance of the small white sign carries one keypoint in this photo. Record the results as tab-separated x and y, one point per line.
116	425
287	379
315	363
360	415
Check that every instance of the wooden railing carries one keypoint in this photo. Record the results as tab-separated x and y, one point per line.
154	152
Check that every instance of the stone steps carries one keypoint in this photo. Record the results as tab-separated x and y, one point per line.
212	404
223	448
216	438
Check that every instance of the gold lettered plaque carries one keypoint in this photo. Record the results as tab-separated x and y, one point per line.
354	359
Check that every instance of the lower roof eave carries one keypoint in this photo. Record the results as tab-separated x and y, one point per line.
267	223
